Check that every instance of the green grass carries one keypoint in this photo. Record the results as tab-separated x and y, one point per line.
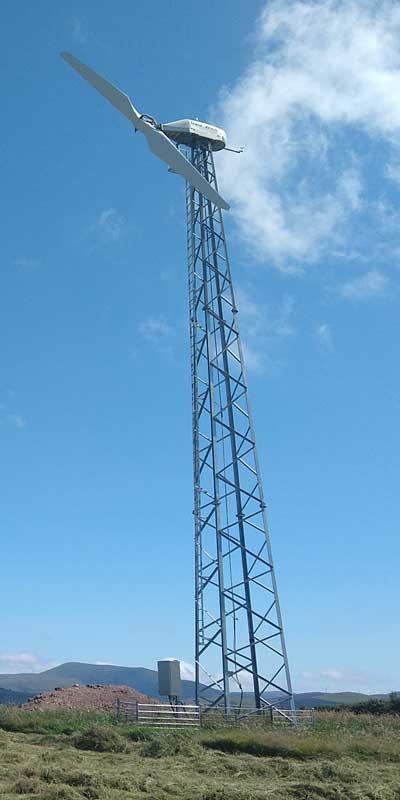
60	721
345	757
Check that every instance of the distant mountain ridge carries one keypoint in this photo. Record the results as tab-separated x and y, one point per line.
144	680
76	672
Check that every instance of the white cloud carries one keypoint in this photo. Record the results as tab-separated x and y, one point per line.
324	75
371	284
393	171
16	420
78	33
254	357
262	327
24	662
324	335
12	418
334	674
110	225
243	681
187	669
351	186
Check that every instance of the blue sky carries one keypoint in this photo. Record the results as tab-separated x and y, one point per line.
95	409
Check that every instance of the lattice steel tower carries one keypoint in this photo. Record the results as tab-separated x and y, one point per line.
238	625
239	632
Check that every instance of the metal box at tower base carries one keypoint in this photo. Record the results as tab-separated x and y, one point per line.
169	678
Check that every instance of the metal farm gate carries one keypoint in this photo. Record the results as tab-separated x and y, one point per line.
159	715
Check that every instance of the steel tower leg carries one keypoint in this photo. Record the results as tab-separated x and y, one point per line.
239	639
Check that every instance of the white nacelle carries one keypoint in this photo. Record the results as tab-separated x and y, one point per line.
186	131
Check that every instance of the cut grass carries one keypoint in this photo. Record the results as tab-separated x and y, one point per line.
101	739
172	743
339	760
301	746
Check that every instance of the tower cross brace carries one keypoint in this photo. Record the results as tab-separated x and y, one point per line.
239	638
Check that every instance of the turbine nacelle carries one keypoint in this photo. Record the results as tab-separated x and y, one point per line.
189	131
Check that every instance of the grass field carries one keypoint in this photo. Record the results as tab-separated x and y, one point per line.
345	756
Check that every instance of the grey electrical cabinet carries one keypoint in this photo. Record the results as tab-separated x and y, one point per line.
169	678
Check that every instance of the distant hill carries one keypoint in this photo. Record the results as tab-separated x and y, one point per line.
321	699
313	699
9	697
145	681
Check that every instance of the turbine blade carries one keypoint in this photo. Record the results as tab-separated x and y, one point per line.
117	98
162	147
158	142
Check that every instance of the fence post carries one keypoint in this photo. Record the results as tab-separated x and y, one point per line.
118	709
271	711
137	711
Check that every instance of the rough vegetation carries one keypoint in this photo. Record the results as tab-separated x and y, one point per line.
345	757
374	705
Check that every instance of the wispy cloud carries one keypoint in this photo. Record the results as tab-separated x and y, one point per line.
11	418
82	36
320	93
24	662
324	336
79	35
262	327
16	420
372	284
393	170
350	186
110	225
24	263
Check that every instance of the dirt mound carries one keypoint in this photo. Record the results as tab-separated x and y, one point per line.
91	696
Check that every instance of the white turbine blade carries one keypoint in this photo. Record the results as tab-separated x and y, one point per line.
117	98
158	142
162	147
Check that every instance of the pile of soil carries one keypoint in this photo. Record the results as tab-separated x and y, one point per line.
91	696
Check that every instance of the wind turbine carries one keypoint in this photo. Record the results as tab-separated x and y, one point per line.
239	637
